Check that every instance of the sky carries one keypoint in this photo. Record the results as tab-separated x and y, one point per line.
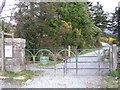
108	6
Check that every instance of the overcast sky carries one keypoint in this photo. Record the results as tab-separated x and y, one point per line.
108	5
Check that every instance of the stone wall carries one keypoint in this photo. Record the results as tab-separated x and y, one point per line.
16	63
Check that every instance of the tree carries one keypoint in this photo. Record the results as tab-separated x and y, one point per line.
82	25
116	24
56	25
98	15
32	22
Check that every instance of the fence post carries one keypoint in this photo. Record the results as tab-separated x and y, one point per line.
114	56
76	64
110	61
69	49
3	53
34	59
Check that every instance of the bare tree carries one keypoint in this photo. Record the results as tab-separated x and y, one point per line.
2	6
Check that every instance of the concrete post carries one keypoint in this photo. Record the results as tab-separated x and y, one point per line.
114	56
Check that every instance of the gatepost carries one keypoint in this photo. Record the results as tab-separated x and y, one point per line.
15	60
114	57
12	53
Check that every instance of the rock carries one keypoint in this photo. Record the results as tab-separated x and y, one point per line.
28	81
89	82
106	60
116	78
3	77
19	78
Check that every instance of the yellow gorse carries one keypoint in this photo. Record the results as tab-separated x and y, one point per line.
108	39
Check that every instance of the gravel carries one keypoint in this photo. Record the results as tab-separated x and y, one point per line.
85	78
51	81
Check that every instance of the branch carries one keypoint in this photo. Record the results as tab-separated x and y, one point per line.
2	6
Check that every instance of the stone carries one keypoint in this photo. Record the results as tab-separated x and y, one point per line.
3	77
19	78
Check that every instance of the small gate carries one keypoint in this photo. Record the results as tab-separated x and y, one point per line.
79	62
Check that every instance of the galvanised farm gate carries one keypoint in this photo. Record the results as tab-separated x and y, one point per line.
72	60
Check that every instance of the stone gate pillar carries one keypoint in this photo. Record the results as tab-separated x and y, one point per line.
14	54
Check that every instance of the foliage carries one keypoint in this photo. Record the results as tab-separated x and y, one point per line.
115	73
6	27
82	25
109	40
98	15
114	23
56	25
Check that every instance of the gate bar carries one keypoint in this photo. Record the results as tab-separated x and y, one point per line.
76	64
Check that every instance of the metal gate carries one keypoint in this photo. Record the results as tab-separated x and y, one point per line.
80	61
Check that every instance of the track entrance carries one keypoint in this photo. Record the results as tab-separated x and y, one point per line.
76	61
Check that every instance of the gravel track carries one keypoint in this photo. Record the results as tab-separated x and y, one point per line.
85	78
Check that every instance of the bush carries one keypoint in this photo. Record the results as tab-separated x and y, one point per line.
115	73
109	40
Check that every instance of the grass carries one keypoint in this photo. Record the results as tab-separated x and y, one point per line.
110	82
115	73
86	51
27	74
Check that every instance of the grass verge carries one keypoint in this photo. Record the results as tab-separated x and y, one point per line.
112	79
87	51
109	82
26	74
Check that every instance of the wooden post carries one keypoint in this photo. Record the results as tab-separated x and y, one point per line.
3	53
69	51
3	50
12	35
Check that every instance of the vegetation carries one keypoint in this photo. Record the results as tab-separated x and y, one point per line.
109	82
104	20
115	73
56	25
87	51
99	16
27	74
109	40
